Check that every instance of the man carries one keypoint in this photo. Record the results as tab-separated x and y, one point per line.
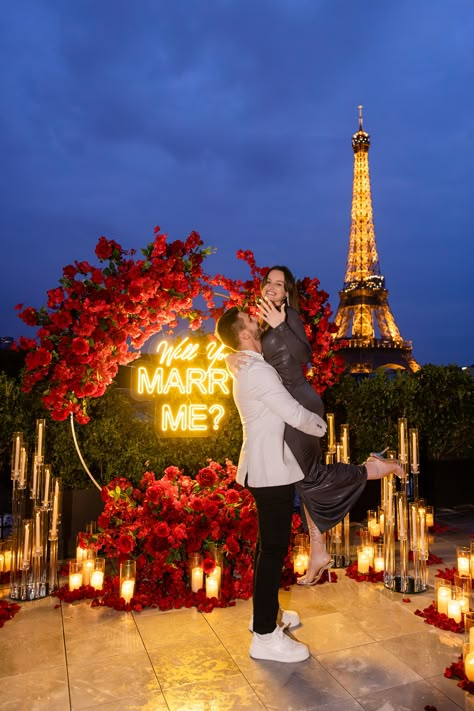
269	470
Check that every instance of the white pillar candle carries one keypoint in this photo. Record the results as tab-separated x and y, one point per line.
47	476
54	522
378	564
444	596
81	553
26	556
38	532
197	579
454	610
469	666
382	523
128	587
463	565
471	635
75	581
363	562
2	562
300	564
414	449
39	445
97	579
212	586
87	569
7	563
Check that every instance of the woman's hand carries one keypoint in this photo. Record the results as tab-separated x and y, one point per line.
270	314
236	361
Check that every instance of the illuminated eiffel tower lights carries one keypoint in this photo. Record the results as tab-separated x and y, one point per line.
364	319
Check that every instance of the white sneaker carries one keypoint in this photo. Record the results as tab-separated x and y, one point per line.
289	618
277	647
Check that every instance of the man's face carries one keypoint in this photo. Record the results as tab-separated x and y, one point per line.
251	325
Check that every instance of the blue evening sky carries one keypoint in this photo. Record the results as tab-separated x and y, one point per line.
234	118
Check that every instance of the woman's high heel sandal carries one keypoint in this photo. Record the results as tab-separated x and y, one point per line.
327	566
397	467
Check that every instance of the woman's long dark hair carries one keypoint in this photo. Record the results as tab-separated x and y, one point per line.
290	286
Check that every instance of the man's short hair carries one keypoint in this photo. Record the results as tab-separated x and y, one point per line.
228	328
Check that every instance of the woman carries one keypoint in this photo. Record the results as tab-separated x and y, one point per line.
327	492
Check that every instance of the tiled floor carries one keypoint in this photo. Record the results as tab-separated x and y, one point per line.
369	651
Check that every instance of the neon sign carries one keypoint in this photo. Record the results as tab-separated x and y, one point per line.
190	387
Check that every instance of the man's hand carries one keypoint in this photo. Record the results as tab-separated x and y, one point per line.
270	314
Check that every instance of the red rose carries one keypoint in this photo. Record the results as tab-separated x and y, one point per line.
162	529
206	477
125	544
208	565
79	346
210	508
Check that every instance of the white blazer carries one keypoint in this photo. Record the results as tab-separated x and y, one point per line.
264	405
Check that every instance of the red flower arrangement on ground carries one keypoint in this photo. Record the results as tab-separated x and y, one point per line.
162	521
352	571
440	620
7	611
456	671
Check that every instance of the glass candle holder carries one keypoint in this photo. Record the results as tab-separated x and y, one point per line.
469	627
443	595
212	585
75	575
429	517
81	553
7	555
88	565
128	577
365	537
196	573
468	660
98	574
373	525
463	558
363	560
301	539
217	553
300	559
378	558
454	608
472	560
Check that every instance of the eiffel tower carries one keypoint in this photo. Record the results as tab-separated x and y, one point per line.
370	337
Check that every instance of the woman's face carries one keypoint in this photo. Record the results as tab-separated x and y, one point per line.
274	287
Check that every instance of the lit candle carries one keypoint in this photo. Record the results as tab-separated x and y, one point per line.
370	554
382	523
454	610
87	569
75	581
217	573
47	475
463	565
429	519
128	586
300	564
471	635
363	561
16	455
378	564
444	596
7	563
212	586
464	604
39	441
38	532
197	578
34	483
97	579
331	432
26	557
472	566
23	460
2	562
54	523
414	456
81	554
402	452
469	666
345	443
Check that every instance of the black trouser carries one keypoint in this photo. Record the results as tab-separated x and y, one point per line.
275	511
